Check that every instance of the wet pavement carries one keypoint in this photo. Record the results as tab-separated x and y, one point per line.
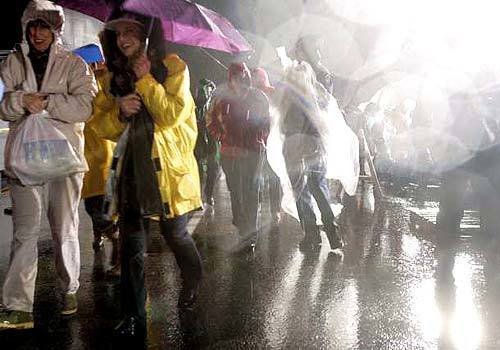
390	289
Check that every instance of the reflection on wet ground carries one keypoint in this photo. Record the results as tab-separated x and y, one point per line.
392	288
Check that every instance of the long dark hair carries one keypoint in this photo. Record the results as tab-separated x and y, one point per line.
119	64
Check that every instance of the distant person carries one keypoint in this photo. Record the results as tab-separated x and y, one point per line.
207	150
472	161
239	118
43	75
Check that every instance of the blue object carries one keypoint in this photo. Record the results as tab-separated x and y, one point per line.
2	87
90	53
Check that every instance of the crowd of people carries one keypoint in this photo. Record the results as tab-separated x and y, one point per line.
152	154
147	149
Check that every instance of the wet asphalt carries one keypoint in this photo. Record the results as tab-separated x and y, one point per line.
391	288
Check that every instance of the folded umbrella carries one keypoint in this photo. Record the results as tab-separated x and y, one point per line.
187	23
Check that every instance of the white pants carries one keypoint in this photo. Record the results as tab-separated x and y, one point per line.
61	199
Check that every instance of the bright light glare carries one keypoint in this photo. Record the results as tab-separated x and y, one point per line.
426	311
466	324
457	34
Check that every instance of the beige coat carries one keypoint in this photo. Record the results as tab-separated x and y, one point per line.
68	81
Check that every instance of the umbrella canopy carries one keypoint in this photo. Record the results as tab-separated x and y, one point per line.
90	53
188	23
99	9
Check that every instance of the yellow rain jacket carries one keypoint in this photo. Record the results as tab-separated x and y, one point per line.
173	110
99	155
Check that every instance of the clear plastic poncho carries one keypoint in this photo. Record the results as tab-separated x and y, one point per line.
341	146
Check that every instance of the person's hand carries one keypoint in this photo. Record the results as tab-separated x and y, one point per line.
130	104
142	66
35	102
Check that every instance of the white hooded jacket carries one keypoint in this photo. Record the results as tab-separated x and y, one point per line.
68	81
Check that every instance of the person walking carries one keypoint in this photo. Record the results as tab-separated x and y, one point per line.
305	154
207	150
43	75
146	106
239	118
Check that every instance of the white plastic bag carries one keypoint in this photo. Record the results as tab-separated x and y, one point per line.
41	153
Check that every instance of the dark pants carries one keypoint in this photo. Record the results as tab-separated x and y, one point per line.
93	207
134	230
211	175
307	172
243	178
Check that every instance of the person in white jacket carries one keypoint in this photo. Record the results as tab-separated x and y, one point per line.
43	75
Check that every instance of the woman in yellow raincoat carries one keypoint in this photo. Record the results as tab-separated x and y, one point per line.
145	104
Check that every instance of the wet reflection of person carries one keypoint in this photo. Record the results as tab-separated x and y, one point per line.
445	293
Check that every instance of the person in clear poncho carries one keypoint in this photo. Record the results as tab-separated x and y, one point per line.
310	142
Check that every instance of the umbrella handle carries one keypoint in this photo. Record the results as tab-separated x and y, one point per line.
150	30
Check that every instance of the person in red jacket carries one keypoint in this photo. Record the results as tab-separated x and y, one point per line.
239	118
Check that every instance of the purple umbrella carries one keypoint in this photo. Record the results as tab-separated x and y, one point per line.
188	23
99	9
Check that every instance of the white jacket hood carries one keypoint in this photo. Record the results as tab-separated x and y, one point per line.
46	11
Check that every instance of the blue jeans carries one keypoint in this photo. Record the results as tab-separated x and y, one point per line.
306	169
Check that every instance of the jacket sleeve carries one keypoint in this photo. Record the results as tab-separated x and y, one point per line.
170	103
11	107
213	118
105	118
75	106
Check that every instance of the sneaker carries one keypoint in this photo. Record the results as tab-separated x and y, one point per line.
11	319
70	304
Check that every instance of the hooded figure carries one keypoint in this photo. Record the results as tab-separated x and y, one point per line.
43	75
239	118
145	105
